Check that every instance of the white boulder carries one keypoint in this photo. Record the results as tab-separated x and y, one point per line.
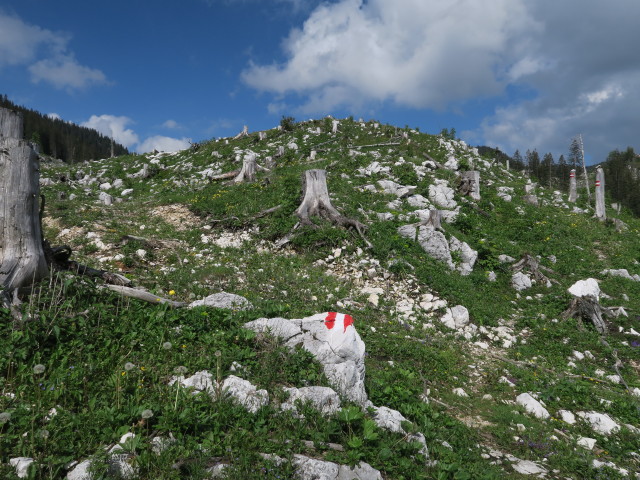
520	281
532	406
600	422
585	288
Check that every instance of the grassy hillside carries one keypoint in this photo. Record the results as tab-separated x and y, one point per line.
104	361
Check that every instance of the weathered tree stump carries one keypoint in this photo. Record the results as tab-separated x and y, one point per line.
469	184
601	213
243	133
434	220
248	170
316	203
573	187
22	258
587	308
530	264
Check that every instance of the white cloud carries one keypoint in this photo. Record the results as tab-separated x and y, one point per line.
163	144
172	125
114	127
45	53
54	116
411	52
20	42
64	71
591	87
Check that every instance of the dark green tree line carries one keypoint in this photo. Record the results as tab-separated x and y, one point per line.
63	140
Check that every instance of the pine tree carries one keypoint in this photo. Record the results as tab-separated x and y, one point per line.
575	153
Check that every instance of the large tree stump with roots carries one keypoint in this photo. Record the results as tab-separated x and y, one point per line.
316	203
22	257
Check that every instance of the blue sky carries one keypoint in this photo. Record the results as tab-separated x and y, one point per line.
158	74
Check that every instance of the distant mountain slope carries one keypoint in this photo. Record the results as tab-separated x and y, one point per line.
63	140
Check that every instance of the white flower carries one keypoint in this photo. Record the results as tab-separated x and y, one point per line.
38	369
147	414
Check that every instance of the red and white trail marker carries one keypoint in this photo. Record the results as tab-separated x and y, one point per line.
340	319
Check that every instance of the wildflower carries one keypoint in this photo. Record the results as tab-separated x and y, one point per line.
44	434
172	292
146	414
166	346
4	417
129	366
218	353
181	370
38	369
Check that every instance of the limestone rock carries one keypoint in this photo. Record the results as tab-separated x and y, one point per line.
389	419
323	399
532	406
333	340
600	422
223	300
584	288
21	464
441	194
80	471
432	241
520	281
456	317
312	469
468	255
245	393
396	189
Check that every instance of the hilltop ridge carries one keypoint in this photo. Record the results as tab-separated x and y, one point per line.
463	317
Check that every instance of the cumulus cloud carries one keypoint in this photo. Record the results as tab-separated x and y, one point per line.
589	84
64	71
45	53
54	116
172	125
163	144
410	52
576	62
114	127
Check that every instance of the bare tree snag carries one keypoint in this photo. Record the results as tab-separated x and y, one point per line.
469	184
22	258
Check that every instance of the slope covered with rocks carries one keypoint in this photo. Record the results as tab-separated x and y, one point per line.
454	353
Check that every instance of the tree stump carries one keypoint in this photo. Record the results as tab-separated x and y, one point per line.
573	187
22	258
587	308
434	220
469	184
248	171
601	213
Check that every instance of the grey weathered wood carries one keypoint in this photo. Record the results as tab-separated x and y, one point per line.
22	258
601	213
248	171
573	187
434	220
10	124
469	184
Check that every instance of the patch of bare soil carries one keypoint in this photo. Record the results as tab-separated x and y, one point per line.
178	216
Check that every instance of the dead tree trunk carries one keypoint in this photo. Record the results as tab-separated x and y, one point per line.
22	258
434	220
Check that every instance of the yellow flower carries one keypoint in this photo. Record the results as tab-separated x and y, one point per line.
172	292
